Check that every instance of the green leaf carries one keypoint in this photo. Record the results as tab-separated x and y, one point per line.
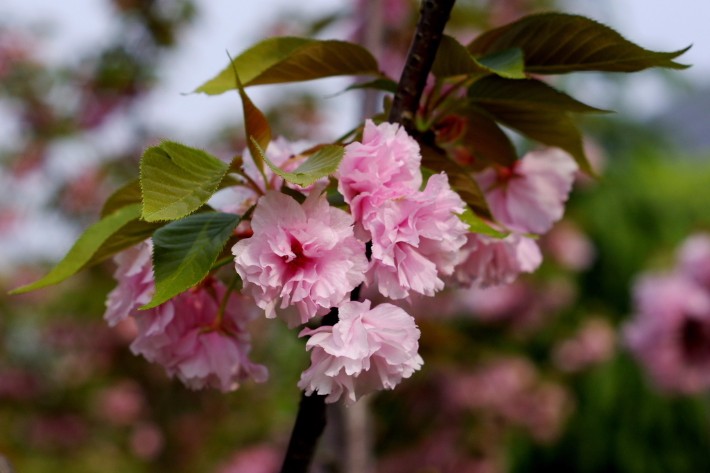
322	163
507	63
478	225
88	244
289	59
453	59
551	127
460	178
129	235
525	93
176	180
185	250
128	194
555	43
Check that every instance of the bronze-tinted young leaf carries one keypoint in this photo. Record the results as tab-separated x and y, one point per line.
185	250
485	140
176	180
551	127
288	59
460	178
127	194
256	125
555	43
453	59
525	93
85	247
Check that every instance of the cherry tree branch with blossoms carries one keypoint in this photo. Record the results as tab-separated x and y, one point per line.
311	417
417	206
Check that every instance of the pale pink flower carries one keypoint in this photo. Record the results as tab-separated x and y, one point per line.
694	258
511	390
496	303
491	261
365	351
302	255
147	441
594	343
254	459
529	196
670	333
416	240
135	282
188	337
121	403
569	246
385	165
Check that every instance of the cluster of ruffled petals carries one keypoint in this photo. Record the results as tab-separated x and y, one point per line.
670	332
416	234
365	351
416	240
530	195
490	261
195	343
186	335
304	255
526	197
134	273
384	165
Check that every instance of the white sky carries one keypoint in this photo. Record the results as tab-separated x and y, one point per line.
227	25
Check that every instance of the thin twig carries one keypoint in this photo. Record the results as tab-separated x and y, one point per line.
433	16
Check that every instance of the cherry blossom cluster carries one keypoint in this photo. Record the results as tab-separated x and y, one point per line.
188	335
398	234
670	331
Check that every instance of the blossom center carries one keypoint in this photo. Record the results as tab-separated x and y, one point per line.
695	337
297	259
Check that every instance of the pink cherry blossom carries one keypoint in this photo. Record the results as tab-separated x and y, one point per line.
569	246
194	342
416	240
670	333
594	343
135	282
694	258
365	351
302	255
529	196
385	165
490	261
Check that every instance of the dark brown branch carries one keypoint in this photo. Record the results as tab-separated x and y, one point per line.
311	419
310	422
433	16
